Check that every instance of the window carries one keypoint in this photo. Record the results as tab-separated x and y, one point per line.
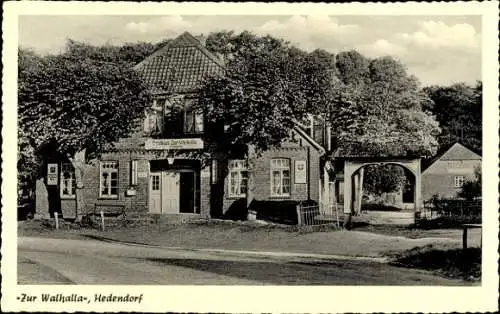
280	177
238	178
133	172
193	122
155	183
109	179
154	121
67	181
459	181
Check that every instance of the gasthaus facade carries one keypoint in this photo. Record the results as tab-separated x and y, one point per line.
156	171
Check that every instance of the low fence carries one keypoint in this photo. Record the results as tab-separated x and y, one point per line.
315	215
453	208
451	211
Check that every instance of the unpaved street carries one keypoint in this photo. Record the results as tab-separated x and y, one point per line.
66	261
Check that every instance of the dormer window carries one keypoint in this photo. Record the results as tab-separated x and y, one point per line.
153	123
193	121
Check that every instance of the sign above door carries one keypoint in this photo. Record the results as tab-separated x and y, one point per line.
174	144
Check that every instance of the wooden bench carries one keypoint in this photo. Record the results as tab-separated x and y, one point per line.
110	210
464	235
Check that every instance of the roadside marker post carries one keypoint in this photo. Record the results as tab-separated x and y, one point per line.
102	220
56	216
299	218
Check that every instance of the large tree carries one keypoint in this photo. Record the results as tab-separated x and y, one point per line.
267	86
458	108
76	104
379	111
382	114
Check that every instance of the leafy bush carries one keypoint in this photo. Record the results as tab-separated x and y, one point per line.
471	189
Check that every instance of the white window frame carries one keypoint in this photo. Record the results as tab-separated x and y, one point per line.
71	170
197	124
154	119
277	165
238	167
103	168
459	181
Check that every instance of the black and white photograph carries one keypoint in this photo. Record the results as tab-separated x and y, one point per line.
172	157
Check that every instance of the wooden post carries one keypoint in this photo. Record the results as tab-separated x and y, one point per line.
360	193
56	216
464	238
102	220
299	218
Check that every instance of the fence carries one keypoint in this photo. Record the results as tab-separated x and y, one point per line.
315	215
453	209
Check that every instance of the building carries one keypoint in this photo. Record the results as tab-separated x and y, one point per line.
158	170
446	174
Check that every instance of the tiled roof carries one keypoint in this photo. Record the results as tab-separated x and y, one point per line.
179	67
459	152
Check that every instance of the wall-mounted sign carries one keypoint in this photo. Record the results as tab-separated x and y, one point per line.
52	174
174	143
300	171
131	192
142	174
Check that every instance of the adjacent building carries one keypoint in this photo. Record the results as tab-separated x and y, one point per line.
446	174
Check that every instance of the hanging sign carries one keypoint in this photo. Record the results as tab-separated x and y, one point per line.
52	174
300	171
174	143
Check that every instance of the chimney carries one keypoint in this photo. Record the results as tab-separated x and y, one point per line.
202	39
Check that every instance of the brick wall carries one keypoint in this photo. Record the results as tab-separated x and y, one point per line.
298	191
205	193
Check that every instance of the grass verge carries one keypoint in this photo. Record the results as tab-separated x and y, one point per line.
452	263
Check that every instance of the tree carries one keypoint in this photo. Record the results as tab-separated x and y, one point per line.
471	189
28	165
382	114
379	112
78	104
126	55
458	108
380	179
259	98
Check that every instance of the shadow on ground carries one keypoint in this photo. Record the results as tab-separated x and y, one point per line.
311	273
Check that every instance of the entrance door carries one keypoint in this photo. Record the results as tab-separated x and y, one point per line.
170	192
155	192
187	192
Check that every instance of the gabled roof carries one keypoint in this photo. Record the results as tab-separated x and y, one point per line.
459	152
456	152
179	66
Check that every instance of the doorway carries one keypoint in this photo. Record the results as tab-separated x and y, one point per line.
173	192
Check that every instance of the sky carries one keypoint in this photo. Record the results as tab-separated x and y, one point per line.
436	49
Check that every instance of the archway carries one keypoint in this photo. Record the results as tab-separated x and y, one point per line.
381	187
353	177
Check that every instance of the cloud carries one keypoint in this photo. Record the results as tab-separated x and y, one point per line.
140	27
382	47
172	24
309	32
435	35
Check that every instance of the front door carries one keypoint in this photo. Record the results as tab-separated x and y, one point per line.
155	192
170	192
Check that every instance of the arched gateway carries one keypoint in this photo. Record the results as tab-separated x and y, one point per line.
353	179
